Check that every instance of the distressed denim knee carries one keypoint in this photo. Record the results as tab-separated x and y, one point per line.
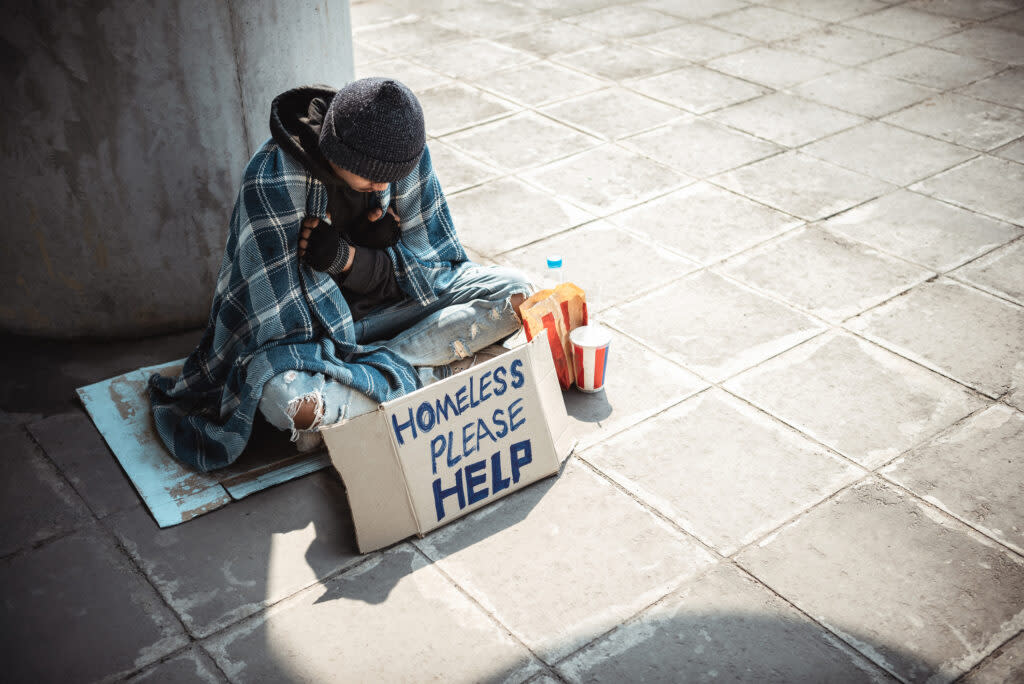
285	393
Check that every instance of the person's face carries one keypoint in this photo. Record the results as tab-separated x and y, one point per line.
357	183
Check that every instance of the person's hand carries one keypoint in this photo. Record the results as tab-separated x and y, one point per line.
308	224
323	247
378	230
375	215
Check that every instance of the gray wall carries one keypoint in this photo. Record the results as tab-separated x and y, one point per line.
126	128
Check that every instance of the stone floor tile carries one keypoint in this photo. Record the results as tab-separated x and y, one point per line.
965	9
985	42
506	213
714	448
364	54
620	61
722	328
828	10
1005	88
456	170
911	588
72	442
612	113
640	383
491	18
410	37
764	23
802	186
520	141
393	619
74	610
907	24
539	83
973	471
1013	21
824	274
623	22
550	39
230	563
722	626
962	120
1000	272
933	68
861	92
531	559
188	668
991	186
697	89
568	8
1005	664
923	230
966	334
888	153
373	14
772	66
413	75
705	223
695	42
1015	398
607	179
454	106
786	119
699	147
693	9
1014	151
37	503
611	264
844	45
544	678
886	403
473	58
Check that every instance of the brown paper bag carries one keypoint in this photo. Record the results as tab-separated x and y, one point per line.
556	313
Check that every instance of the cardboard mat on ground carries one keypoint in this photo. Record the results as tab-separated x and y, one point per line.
174	493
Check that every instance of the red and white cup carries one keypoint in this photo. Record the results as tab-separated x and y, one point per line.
590	355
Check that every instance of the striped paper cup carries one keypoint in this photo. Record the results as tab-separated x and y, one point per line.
590	355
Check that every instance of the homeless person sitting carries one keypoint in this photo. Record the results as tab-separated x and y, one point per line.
343	282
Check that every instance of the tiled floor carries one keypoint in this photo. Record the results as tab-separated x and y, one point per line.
802	220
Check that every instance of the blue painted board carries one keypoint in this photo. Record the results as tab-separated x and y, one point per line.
174	493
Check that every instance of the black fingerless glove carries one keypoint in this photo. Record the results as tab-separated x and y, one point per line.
379	234
326	249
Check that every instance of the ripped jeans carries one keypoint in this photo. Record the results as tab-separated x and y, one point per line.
471	314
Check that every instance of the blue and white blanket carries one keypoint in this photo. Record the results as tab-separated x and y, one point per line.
272	313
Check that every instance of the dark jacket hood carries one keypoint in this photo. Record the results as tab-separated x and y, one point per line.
295	120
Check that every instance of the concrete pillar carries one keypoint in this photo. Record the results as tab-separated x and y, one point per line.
126	127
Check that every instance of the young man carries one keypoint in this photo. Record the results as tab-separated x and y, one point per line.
343	282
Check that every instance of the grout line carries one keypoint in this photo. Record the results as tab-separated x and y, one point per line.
720	560
100	527
990	657
435	564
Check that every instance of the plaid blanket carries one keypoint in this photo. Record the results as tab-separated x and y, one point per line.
272	313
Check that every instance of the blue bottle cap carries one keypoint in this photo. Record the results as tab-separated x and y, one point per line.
555	262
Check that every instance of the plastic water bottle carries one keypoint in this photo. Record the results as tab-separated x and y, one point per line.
553	276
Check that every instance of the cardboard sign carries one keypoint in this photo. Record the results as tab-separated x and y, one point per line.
434	455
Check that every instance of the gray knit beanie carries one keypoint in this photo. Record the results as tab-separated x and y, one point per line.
374	128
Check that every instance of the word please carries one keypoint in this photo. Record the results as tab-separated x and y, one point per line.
474	487
501	424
